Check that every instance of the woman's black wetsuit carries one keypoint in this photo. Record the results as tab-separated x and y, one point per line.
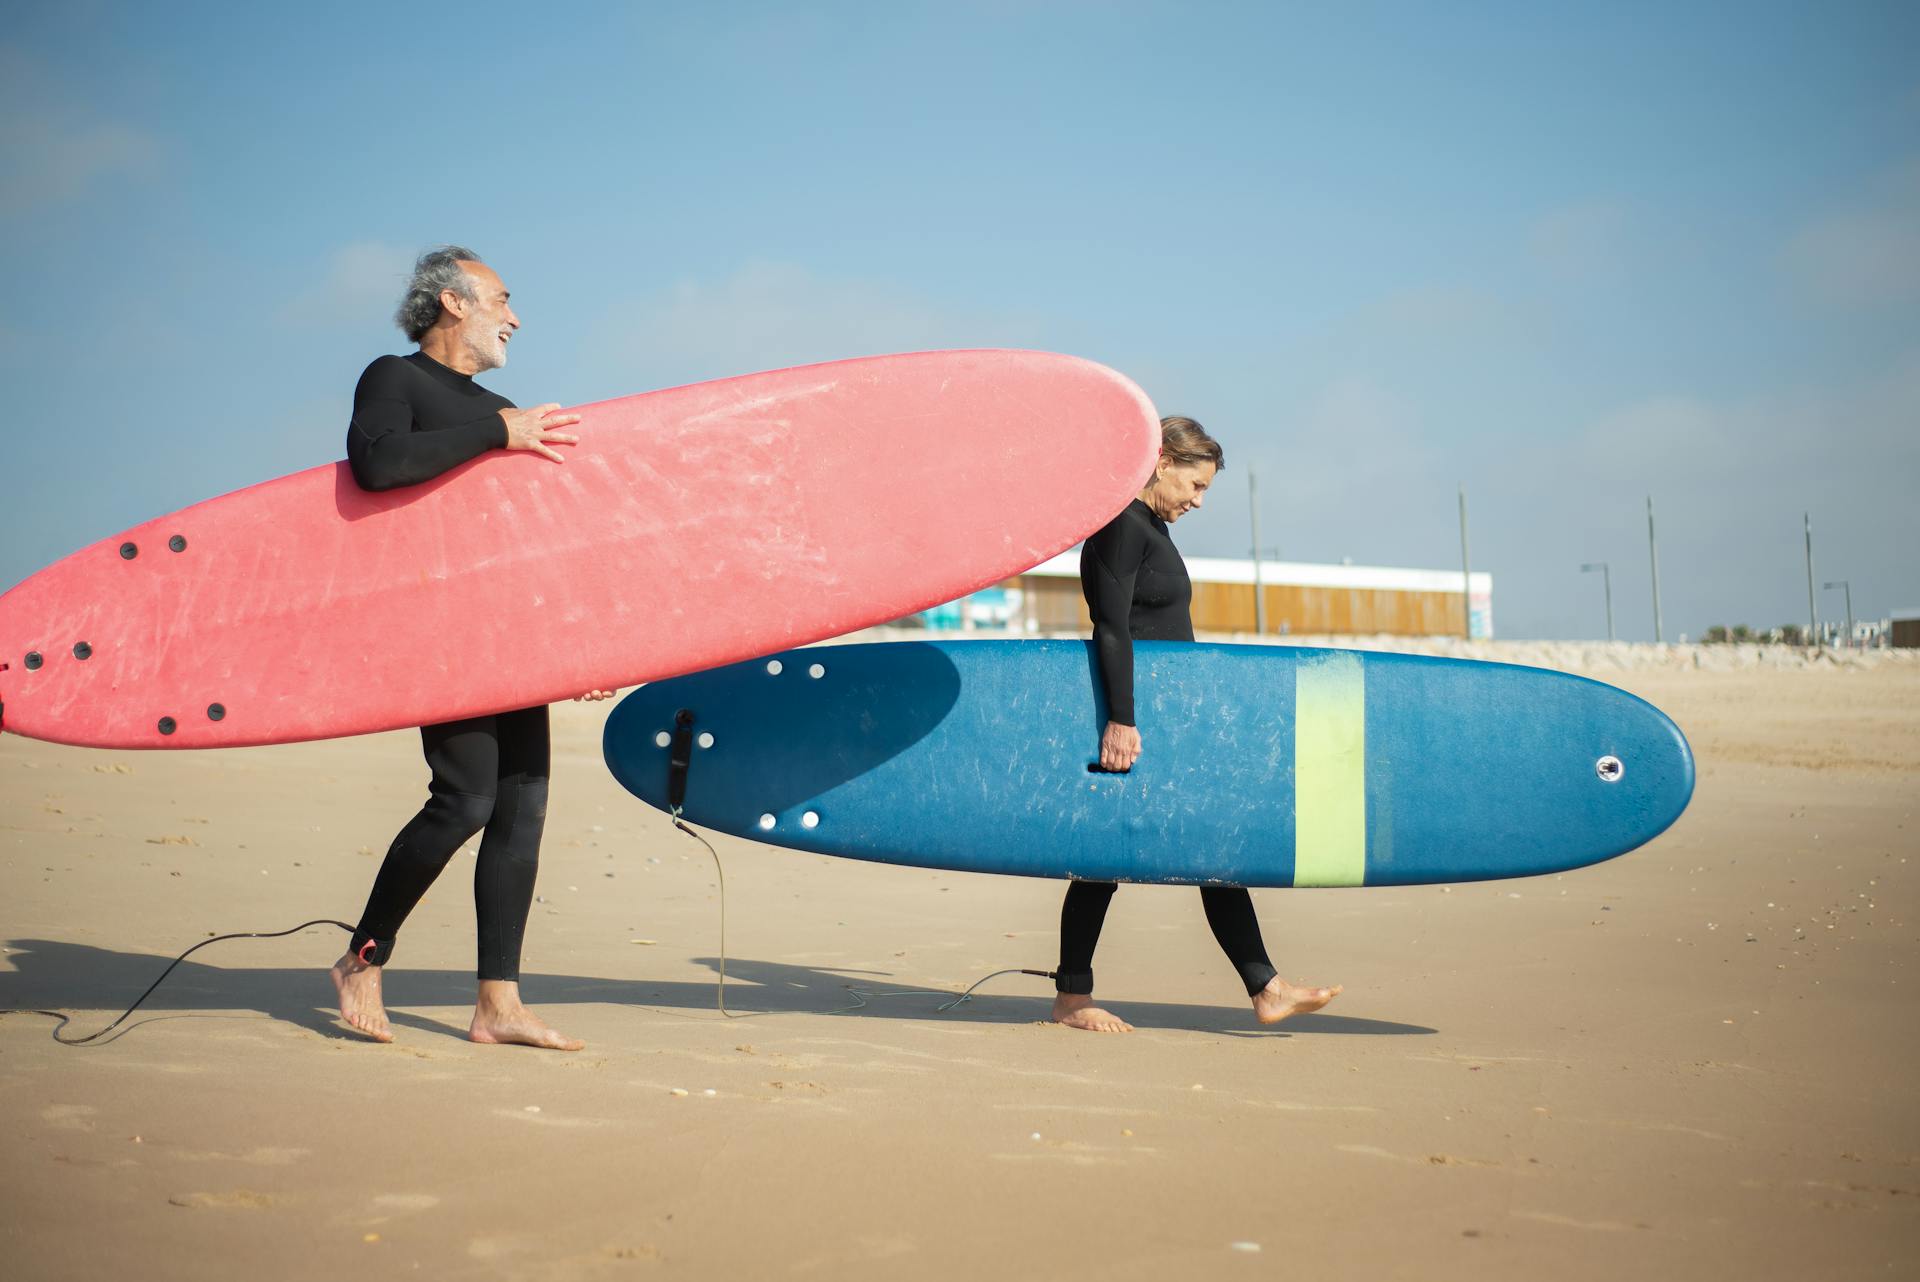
1137	589
413	419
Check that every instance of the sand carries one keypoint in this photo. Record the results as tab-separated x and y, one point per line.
1695	1061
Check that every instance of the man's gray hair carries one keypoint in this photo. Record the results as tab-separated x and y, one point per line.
435	271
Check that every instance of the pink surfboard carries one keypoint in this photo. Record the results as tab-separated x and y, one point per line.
690	527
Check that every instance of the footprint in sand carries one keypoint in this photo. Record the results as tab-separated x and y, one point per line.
529	1115
494	1248
69	1117
238	1199
257	1157
405	1202
1431	1159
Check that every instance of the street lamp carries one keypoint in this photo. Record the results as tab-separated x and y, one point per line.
1653	558
1259	588
1846	587
1606	579
1466	570
1813	612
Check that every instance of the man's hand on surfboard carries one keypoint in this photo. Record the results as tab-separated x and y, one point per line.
1119	747
534	429
594	696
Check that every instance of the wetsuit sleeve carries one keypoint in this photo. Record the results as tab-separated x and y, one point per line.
1107	575
383	449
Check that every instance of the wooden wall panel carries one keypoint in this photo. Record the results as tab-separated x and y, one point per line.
1223	607
1055	605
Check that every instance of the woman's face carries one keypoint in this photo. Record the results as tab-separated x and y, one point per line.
1178	488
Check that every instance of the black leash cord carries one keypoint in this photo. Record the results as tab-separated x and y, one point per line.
66	1019
720	989
862	996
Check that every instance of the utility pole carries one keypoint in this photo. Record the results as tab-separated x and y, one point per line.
1606	578
1653	556
1813	611
1259	591
1846	587
1466	571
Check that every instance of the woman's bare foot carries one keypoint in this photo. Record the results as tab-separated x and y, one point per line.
1279	999
359	987
1076	1010
499	1019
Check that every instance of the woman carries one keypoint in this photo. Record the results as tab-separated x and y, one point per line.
1137	588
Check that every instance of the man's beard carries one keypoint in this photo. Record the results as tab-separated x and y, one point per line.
485	349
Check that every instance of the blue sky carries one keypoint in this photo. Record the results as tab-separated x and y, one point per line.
1569	258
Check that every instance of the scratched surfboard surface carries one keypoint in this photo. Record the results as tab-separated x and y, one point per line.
1263	765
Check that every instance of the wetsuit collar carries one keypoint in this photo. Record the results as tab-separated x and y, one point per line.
435	367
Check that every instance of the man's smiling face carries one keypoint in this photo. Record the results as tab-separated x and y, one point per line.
489	321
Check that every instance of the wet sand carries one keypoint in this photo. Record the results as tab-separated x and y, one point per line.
1695	1061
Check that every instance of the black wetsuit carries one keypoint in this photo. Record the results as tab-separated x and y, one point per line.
413	419
1137	589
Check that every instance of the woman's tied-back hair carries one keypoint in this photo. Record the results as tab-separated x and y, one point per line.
435	271
1184	441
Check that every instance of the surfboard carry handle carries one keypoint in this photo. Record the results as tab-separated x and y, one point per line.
679	758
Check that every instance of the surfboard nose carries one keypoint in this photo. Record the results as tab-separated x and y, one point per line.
1477	771
1628	776
1656	757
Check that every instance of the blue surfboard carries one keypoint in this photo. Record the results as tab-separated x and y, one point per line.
1263	765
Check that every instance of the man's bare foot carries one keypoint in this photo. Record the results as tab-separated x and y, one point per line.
500	1020
1076	1010
1279	999
359	987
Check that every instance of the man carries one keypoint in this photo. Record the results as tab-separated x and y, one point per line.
415	417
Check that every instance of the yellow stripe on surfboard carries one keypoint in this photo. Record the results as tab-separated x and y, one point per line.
1330	772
